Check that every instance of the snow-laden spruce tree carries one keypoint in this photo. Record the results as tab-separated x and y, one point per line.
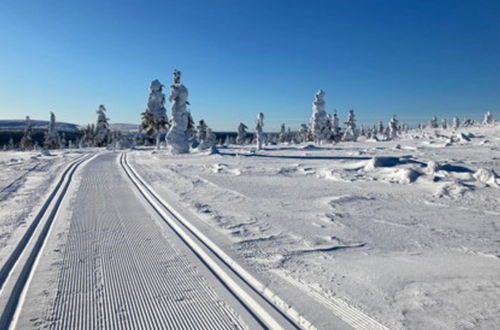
335	126
211	140
177	136
51	140
283	134
27	139
319	119
242	134
381	128
488	118
456	123
203	137
154	118
102	131
304	133
444	123
10	144
202	131
259	131
393	127
351	133
434	122
191	131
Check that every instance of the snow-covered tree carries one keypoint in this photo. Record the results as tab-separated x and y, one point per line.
102	131
444	123
11	145
393	127
351	133
27	139
335	126
177	136
202	131
456	122
434	122
191	130
304	133
203	135
259	132
51	140
283	137
488	118
211	139
154	119
242	134
319	119
64	141
381	128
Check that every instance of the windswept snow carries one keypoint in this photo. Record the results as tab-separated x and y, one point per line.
403	231
25	177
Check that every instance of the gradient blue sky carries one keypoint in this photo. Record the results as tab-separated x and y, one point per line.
411	58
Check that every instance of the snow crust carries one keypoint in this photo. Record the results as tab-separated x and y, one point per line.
404	231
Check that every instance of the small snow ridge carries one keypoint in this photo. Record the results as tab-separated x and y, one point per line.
487	176
381	162
452	189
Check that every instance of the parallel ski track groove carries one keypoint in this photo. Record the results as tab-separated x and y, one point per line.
286	311
14	297
127	281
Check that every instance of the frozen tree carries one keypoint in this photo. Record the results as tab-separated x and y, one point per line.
351	133
283	134
456	122
102	131
434	122
202	135
154	119
177	136
10	145
211	139
335	126
259	130
27	139
444	123
64	141
202	131
319	118
191	130
488	118
242	133
381	128
393	127
51	140
304	133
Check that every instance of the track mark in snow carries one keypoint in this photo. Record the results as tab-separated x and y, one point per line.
348	313
119	271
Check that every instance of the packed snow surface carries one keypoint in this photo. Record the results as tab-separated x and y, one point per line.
25	178
406	231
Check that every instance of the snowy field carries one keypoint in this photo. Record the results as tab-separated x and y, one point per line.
406	231
25	178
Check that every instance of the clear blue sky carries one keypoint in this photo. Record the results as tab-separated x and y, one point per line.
410	58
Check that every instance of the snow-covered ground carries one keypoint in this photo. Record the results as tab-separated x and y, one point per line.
25	179
406	231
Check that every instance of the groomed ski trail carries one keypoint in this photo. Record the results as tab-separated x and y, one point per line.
119	271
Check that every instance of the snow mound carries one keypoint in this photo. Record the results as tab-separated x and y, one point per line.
405	175
461	137
310	147
432	167
451	189
381	162
487	176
